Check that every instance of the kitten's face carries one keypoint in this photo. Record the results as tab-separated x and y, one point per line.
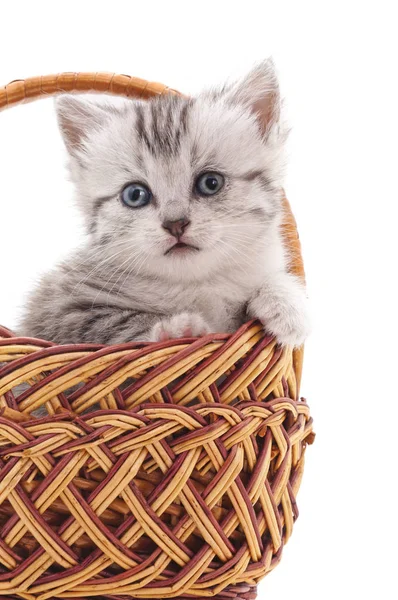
174	187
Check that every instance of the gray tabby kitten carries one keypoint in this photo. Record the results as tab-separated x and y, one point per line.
182	201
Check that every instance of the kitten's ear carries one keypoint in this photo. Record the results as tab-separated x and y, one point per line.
77	118
259	92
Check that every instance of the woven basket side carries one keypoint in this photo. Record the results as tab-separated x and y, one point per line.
207	491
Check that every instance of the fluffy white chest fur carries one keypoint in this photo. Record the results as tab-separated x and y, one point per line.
220	302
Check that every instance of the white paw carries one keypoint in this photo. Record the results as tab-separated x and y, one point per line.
179	326
285	316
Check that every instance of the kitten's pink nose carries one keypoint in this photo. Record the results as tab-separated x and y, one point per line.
176	228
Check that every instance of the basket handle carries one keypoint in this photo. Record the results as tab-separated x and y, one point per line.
25	90
22	90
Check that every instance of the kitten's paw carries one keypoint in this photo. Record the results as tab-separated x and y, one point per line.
177	326
286	318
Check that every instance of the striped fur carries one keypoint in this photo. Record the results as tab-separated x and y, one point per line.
124	284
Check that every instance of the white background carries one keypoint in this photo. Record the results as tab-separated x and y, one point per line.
337	65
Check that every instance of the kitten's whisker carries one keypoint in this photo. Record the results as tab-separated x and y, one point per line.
236	236
237	251
227	254
100	266
127	276
128	261
134	262
221	225
90	253
109	279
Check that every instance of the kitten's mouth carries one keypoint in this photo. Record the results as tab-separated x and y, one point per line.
181	248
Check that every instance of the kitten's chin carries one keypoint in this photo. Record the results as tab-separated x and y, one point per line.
183	264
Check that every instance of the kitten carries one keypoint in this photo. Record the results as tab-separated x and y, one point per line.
182	202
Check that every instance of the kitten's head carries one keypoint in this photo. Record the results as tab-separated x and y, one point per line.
180	187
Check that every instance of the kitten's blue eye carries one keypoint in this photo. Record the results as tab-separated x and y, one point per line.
210	183
136	195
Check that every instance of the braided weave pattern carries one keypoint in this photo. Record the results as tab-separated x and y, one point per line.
182	483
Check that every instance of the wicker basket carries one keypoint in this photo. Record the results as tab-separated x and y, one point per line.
183	484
